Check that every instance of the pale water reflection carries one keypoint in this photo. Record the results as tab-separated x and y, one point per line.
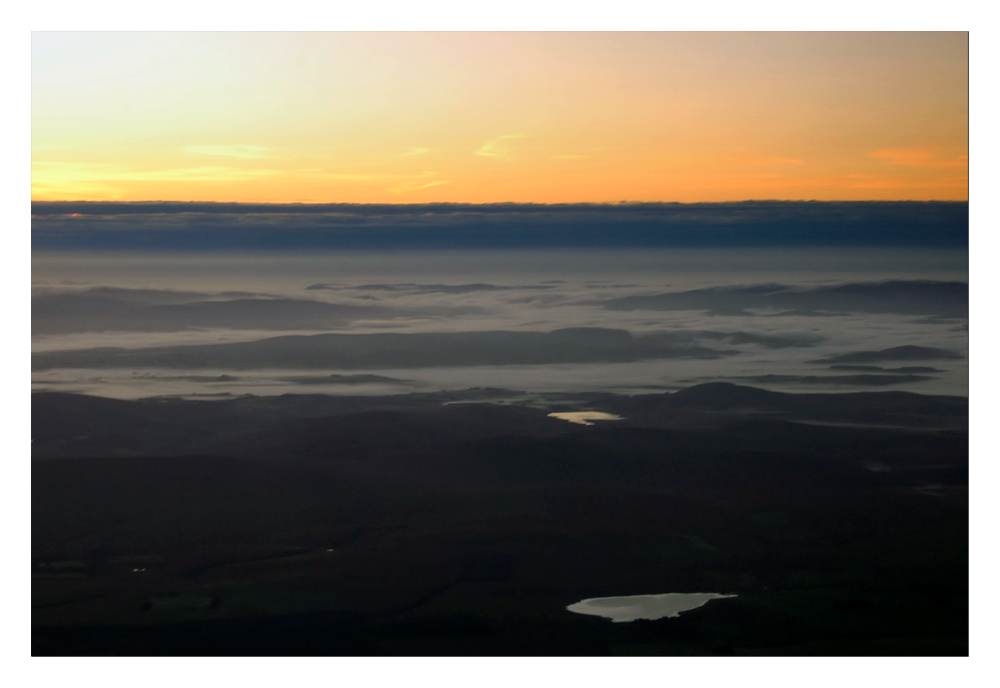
584	417
651	607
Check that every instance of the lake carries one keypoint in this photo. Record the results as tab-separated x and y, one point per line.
648	607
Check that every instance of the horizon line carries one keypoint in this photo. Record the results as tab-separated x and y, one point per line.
495	203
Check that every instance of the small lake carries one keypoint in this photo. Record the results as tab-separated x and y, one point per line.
651	607
584	417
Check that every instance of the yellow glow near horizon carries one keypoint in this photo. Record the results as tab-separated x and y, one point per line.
491	117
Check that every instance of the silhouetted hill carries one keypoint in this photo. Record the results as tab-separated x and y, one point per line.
394	350
359	434
916	297
310	425
896	353
723	399
106	310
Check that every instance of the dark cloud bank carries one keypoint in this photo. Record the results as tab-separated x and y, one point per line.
229	226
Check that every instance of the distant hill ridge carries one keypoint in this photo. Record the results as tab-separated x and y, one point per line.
80	425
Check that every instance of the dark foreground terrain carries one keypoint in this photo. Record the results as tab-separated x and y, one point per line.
464	524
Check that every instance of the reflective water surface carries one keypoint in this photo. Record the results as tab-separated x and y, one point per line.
651	607
584	417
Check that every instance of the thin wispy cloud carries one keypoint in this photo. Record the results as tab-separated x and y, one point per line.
408	187
919	157
760	160
734	160
57	174
350	177
842	181
568	156
400	183
231	151
865	181
202	174
497	147
415	151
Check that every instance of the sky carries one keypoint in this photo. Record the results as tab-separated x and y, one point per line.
479	117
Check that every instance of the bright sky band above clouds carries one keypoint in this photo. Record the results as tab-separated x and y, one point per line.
492	117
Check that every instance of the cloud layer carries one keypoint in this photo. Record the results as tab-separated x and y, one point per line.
250	227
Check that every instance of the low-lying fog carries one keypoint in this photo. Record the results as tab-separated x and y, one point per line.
132	325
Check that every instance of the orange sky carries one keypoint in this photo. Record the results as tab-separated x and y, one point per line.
492	117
